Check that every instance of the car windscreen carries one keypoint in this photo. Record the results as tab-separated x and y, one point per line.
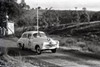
42	34
39	35
24	36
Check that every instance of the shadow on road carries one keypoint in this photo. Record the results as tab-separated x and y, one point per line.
68	55
18	52
82	55
14	51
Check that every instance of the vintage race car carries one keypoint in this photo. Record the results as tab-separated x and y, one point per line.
38	41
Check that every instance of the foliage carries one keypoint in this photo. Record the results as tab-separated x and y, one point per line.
96	17
50	18
55	17
65	17
10	7
75	16
84	17
21	22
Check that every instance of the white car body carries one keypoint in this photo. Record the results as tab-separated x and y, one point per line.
32	39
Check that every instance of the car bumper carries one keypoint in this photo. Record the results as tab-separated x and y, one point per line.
50	46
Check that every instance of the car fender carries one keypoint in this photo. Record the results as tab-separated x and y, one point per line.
34	44
20	41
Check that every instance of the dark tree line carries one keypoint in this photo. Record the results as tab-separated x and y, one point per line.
69	16
57	17
10	8
65	17
96	16
48	18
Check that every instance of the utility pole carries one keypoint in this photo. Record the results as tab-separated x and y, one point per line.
37	20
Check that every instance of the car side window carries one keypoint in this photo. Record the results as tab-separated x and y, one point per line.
35	35
24	36
29	35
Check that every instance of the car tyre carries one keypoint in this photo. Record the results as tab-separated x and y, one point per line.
38	50
21	46
53	50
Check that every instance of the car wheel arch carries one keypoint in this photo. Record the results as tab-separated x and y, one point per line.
18	44
21	45
38	49
36	46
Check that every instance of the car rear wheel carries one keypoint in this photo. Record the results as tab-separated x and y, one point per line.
53	50
38	50
21	46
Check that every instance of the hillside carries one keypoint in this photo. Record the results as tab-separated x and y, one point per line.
32	13
58	22
52	17
28	18
79	28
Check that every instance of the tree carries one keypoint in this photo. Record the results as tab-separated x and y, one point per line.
21	22
95	16
75	16
12	8
39	7
84	16
9	7
50	18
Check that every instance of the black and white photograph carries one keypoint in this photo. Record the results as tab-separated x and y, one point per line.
49	33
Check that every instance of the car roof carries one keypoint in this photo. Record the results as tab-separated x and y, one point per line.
33	32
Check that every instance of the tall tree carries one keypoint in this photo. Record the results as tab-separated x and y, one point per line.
75	16
50	17
84	16
9	7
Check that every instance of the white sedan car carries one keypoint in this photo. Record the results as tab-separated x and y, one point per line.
38	41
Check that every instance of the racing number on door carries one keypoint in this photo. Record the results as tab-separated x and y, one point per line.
29	40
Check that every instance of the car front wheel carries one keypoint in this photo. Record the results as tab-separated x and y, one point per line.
53	50
38	50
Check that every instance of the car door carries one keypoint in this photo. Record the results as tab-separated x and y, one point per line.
29	40
24	39
37	40
34	41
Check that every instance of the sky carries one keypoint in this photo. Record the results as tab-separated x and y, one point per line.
93	5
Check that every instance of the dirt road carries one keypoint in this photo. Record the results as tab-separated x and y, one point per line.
63	57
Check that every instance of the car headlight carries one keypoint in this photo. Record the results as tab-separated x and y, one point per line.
57	41
48	39
45	43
